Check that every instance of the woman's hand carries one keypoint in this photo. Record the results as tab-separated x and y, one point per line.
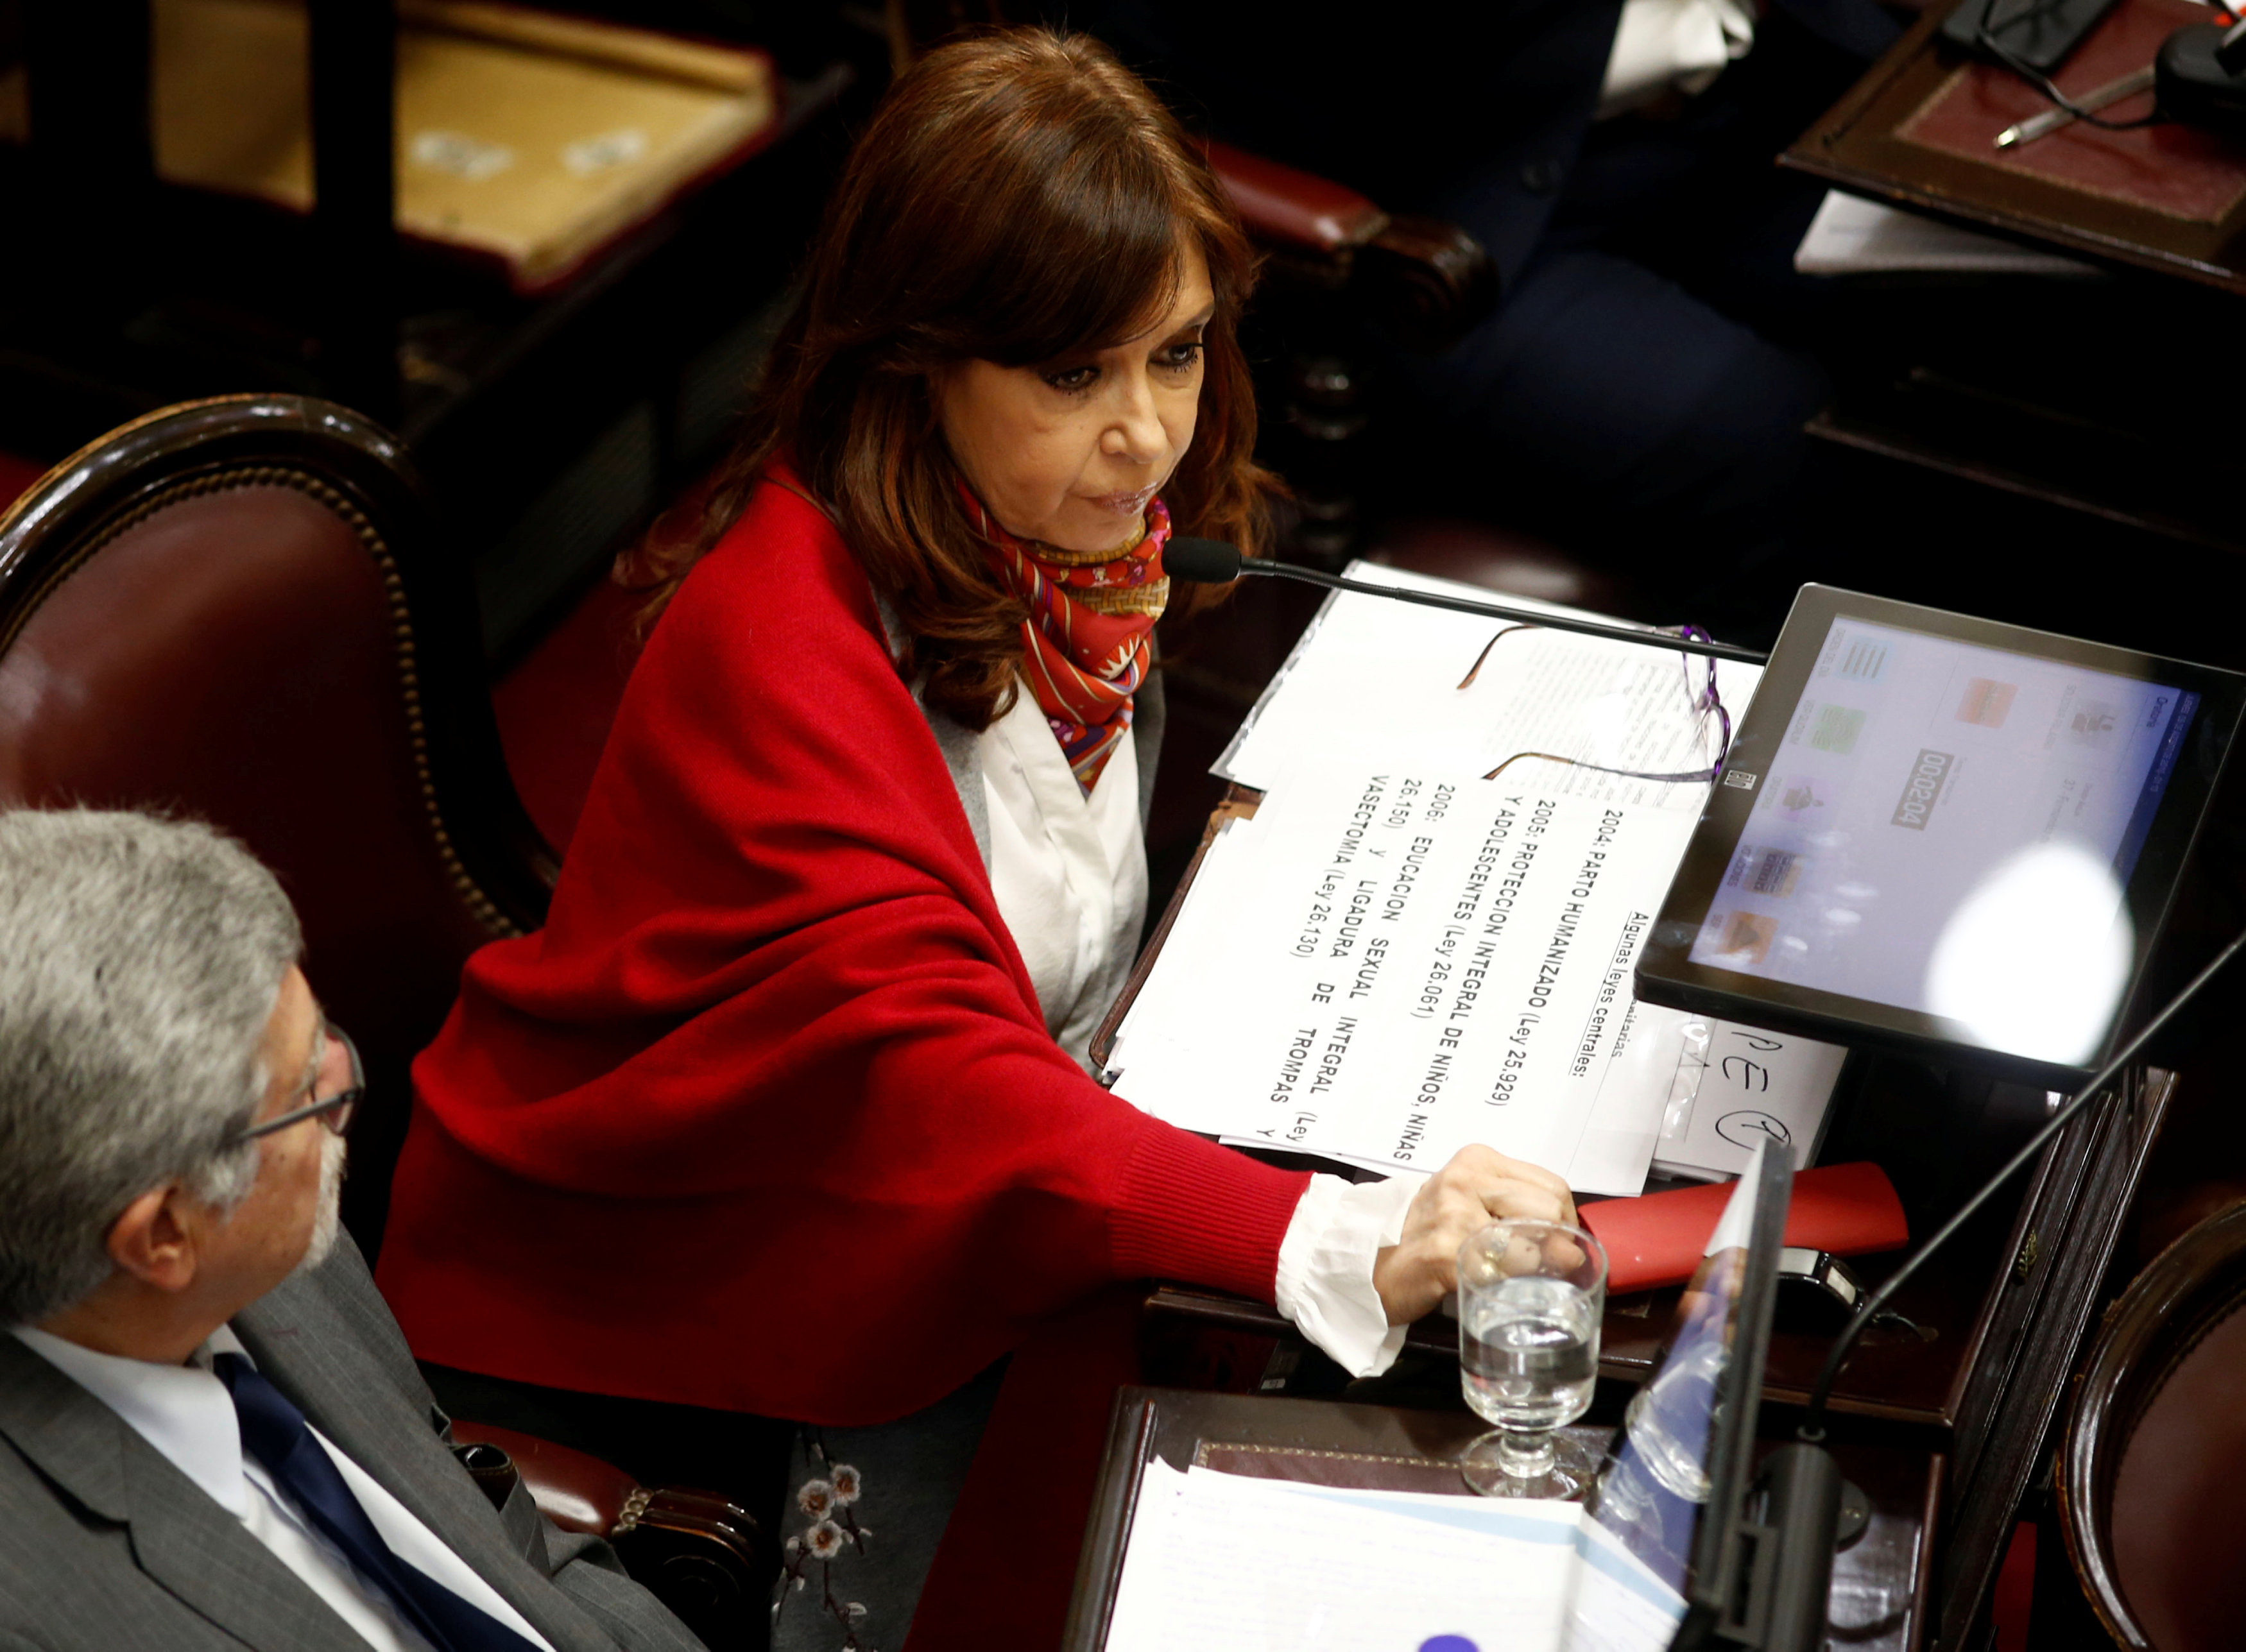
1477	1186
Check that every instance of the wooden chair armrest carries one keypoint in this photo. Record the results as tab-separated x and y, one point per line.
702	1555
1427	280
577	1491
1283	207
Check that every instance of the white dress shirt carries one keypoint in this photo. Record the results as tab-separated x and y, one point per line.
1070	874
1069	870
1664	45
187	1414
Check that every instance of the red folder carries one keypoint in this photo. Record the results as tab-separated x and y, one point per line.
1659	1239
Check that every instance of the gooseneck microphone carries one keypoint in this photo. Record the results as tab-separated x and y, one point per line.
1214	562
1813	1418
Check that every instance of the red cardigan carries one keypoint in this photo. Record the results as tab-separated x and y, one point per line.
765	1118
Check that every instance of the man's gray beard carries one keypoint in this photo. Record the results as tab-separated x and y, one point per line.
327	1221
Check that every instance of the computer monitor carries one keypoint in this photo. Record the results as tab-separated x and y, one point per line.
1687	1546
1944	835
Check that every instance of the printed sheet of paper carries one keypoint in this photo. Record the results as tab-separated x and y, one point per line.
1228	1563
1379	680
1382	967
1169	1010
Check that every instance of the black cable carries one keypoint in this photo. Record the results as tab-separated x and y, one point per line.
1200	561
1813	1421
1984	36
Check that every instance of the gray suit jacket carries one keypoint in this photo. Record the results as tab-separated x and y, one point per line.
106	1547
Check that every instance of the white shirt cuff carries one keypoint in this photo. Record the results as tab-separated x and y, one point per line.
1325	1282
1661	43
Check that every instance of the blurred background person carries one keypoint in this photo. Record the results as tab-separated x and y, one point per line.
1639	393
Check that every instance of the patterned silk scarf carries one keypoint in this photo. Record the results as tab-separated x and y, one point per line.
1088	638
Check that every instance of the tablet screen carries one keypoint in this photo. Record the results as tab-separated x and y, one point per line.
1966	830
1920	773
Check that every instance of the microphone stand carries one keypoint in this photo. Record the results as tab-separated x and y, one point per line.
1812	1422
1497	611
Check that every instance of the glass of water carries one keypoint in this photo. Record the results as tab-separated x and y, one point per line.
1530	1295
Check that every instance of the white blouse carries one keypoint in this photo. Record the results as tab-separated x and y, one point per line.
1070	874
1070	870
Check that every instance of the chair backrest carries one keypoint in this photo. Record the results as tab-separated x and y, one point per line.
240	610
2155	1447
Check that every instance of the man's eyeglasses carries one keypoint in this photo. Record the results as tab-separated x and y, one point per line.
1699	690
334	1112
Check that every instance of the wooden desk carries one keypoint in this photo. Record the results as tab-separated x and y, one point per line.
1879	1599
2090	192
2079	394
546	427
2000	1321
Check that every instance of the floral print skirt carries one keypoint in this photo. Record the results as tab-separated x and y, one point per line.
867	1510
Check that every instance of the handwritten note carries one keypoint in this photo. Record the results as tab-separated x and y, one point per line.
1732	1087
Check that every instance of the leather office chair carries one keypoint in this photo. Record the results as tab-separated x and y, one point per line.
241	611
1333	259
1333	262
2155	1450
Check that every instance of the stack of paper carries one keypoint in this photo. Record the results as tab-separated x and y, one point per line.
1235	1564
1852	237
1380	680
1395	957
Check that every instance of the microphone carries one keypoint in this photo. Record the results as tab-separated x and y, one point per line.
1813	1418
1214	562
1202	561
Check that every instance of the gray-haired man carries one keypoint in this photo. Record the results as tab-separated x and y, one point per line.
211	1433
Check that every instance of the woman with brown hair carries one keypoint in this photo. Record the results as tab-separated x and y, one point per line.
782	1115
